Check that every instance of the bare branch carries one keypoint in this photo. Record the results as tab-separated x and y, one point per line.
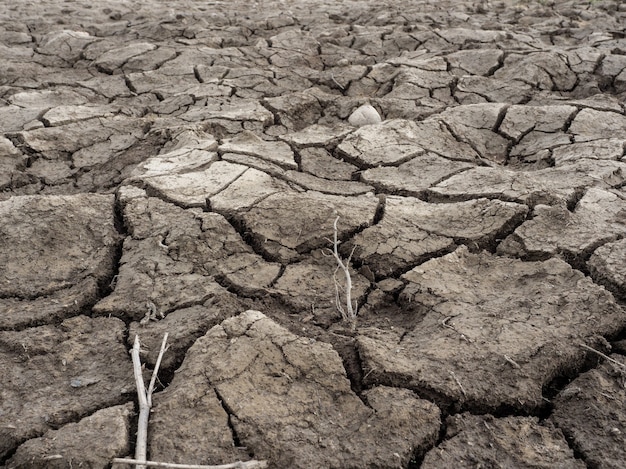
456	380
512	362
337	296
145	398
156	369
606	357
350	311
144	409
235	465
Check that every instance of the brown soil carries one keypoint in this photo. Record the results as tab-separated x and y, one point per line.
178	166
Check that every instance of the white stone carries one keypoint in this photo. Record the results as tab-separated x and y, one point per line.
364	115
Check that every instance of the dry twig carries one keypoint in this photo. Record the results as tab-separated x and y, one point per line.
511	362
456	380
145	399
606	357
235	465
349	313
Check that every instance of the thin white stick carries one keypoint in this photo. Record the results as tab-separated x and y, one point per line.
144	408
458	382
156	369
332	75
350	312
606	357
337	296
145	399
235	465
513	363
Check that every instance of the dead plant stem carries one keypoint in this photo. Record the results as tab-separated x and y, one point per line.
145	399
235	465
606	357
350	312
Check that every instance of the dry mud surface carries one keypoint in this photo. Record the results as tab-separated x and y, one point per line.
177	166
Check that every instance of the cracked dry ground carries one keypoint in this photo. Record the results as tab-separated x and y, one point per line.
178	166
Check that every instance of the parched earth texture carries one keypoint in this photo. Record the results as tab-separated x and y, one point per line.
177	166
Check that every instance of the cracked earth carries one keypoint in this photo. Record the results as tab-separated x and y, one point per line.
178	166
